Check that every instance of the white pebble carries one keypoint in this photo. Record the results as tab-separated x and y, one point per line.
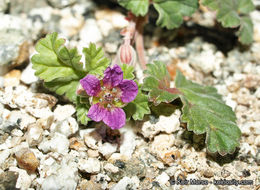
128	143
111	168
65	176
66	127
28	76
124	183
4	155
63	112
90	33
58	143
93	139
34	135
91	165
104	26
107	149
165	124
163	178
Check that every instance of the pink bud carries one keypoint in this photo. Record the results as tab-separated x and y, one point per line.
126	54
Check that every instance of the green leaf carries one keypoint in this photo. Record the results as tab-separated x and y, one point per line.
137	7
205	112
64	87
172	11
246	30
82	107
227	13
231	14
157	83
139	107
59	67
96	63
245	6
128	71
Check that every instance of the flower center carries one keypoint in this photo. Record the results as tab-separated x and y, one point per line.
108	97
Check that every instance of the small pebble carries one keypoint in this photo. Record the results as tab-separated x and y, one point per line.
27	160
12	78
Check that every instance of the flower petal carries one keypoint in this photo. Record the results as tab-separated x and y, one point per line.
96	112
113	76
129	90
91	85
115	118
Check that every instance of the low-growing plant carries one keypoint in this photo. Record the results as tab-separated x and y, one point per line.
111	94
230	13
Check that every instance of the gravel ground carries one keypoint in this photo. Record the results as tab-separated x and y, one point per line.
43	147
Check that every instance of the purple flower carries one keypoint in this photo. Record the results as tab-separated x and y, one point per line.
108	96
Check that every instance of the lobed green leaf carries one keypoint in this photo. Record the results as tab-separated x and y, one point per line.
205	112
171	12
82	107
59	67
128	71
229	15
157	83
64	87
137	7
246	30
245	6
96	63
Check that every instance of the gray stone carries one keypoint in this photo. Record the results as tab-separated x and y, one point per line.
24	181
10	41
8	180
20	6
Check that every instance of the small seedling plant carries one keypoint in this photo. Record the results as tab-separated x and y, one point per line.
230	13
111	94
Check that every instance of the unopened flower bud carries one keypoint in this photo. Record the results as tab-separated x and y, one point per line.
80	91
127	54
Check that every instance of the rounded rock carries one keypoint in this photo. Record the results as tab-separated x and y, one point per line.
27	160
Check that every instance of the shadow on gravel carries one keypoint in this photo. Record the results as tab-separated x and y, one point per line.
221	160
198	143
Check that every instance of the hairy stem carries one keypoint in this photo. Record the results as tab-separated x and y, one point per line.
139	41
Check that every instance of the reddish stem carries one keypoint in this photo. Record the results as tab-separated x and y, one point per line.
139	41
173	90
139	45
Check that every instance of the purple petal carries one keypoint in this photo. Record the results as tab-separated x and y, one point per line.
129	90
115	118
96	112
91	85
113	76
